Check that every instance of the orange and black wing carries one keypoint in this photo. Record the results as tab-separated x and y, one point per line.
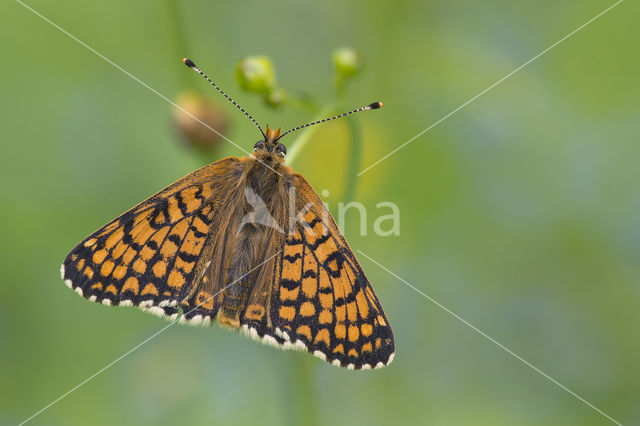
152	255
321	300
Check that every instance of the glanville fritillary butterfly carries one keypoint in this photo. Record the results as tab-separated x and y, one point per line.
248	242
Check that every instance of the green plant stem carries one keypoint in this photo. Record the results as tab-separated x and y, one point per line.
300	393
180	41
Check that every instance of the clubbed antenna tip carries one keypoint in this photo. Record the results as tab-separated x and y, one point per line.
188	62
374	105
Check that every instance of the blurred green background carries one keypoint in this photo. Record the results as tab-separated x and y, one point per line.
520	213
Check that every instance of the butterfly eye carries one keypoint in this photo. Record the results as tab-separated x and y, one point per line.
259	145
281	149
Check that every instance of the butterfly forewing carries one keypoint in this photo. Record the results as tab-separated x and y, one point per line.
150	256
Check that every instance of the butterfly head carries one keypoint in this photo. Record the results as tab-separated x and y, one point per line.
270	146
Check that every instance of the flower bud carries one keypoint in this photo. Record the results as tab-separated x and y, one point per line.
256	74
348	61
275	98
192	130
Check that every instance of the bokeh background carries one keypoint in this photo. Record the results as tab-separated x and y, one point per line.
520	213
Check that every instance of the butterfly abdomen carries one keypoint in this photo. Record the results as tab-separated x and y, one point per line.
238	280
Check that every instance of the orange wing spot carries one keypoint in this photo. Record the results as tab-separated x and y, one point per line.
341	313
325	317
200	226
287	312
291	271
147	252
128	256
110	227
90	242
168	249
159	235
353	353
352	311
292	249
74	257
309	216
131	284
204	299
99	256
180	228
206	209
187	267
307	309
340	331
344	278
174	211
143	233
366	329
97	286
367	347
166	293
88	272
160	219
324	337
120	272
296	234
286	294
372	298
192	245
378	342
309	287
207	192
254	312
325	250
80	265
363	304
111	289
350	275
339	349
189	197
354	333
176	279
119	250
114	238
139	266
305	331
140	218
326	300
107	267
160	268
323	278
149	289
381	320
316	232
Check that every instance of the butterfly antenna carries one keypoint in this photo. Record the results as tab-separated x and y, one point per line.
188	62
374	105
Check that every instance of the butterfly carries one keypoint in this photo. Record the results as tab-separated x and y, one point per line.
249	243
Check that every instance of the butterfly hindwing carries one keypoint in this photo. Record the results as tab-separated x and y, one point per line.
321	300
150	256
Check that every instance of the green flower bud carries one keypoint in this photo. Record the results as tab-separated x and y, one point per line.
256	74
348	61
275	98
